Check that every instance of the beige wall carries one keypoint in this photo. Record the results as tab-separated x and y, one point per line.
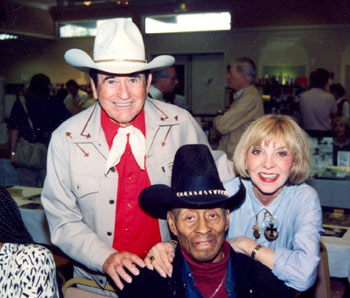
315	46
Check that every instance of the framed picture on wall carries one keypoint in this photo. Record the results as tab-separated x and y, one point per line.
343	158
322	155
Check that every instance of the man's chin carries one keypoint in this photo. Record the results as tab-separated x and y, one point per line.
206	257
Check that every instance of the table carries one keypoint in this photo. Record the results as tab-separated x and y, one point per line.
338	249
336	238
28	201
332	192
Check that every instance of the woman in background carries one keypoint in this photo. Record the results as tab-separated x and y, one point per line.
26	269
341	137
34	116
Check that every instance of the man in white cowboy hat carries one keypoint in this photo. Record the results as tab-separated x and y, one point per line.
197	209
102	158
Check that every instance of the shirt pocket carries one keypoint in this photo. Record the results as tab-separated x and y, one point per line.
167	167
85	186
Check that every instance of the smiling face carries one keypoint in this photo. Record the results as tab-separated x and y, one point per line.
122	97
269	167
201	232
339	128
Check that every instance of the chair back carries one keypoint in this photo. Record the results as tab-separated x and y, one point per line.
322	287
80	293
70	290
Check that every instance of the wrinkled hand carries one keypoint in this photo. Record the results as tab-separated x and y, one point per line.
243	245
163	255
116	263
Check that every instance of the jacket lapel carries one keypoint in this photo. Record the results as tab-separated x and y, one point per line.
157	117
91	132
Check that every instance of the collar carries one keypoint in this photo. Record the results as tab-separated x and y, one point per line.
238	94
156	114
111	128
201	267
182	272
257	206
340	99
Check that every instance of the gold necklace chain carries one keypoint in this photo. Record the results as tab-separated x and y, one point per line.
219	286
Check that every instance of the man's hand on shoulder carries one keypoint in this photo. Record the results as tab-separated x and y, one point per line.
116	263
160	258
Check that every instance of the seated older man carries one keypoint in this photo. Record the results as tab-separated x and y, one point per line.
197	209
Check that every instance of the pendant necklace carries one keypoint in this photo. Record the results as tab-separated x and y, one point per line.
219	286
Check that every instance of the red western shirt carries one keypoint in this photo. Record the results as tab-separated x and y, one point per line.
134	231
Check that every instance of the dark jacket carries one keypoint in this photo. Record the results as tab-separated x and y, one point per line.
253	280
46	114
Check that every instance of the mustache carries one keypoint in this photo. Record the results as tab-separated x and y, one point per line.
206	238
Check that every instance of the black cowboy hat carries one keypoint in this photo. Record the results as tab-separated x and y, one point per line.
195	184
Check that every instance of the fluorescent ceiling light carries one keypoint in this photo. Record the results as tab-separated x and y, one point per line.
4	36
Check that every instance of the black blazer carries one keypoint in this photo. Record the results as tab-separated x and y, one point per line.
253	280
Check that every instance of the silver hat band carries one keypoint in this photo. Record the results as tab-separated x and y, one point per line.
121	60
203	192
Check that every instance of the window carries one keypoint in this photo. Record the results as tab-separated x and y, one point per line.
188	22
85	28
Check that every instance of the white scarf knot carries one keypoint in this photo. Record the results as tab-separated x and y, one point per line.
137	143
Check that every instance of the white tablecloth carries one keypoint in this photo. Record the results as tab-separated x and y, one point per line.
28	201
338	249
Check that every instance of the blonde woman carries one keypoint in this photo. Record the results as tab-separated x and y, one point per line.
279	223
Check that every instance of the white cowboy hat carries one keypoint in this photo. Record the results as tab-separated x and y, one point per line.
118	49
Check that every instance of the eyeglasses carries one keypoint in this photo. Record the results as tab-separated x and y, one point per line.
174	78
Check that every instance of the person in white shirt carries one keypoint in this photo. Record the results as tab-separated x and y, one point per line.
317	106
76	97
343	105
164	82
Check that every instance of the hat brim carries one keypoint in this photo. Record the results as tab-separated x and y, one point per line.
158	199
83	62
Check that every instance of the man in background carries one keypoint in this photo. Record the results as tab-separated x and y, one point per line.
343	104
163	86
246	107
317	106
76	97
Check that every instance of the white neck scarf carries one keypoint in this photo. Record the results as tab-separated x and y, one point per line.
137	144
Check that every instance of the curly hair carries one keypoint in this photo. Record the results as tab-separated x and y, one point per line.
12	228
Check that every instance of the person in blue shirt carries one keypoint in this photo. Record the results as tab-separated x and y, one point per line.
280	221
280	213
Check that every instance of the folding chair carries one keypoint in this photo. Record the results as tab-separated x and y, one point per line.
69	291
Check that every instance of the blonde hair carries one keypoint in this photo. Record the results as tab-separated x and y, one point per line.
272	128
